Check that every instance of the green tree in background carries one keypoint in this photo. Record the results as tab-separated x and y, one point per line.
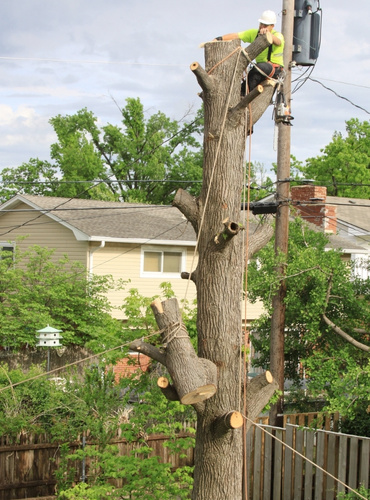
36	291
345	162
323	300
260	183
99	407
125	158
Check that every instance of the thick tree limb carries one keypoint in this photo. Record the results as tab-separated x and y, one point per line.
195	379
255	109
259	391
345	335
235	112
231	229
167	389
256	47
149	350
188	206
260	238
190	276
205	81
337	329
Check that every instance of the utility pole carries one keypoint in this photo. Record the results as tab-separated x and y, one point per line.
282	220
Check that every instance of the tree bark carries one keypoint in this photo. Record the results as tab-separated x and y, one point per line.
219	455
259	391
216	218
195	379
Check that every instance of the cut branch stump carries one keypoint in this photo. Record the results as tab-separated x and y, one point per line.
194	379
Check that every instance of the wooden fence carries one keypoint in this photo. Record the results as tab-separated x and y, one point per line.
278	473
27	469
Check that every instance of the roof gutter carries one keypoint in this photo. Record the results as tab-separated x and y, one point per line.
91	256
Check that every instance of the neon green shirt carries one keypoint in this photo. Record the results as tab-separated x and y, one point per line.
277	50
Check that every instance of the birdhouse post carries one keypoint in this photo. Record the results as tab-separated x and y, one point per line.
49	337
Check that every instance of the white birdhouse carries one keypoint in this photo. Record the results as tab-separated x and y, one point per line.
49	337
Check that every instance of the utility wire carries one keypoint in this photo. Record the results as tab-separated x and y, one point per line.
186	126
74	363
169	181
86	61
340	97
107	181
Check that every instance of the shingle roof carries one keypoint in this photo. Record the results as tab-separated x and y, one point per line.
114	220
353	211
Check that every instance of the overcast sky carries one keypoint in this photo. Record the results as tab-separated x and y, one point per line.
57	57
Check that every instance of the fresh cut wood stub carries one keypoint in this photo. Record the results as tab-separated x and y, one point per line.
194	379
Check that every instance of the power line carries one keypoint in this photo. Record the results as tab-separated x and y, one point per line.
169	181
86	61
340	97
346	83
55	182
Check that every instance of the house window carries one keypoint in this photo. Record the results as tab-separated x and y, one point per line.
162	262
6	250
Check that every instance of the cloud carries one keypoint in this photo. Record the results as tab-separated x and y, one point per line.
85	53
23	129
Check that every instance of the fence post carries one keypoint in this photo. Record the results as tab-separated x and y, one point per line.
319	475
288	462
342	462
310	440
267	466
298	463
278	464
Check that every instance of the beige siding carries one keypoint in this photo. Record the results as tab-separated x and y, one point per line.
43	231
120	260
123	262
253	311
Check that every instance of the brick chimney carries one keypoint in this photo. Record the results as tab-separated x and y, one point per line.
310	203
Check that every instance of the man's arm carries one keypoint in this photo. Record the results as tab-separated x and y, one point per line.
275	40
226	38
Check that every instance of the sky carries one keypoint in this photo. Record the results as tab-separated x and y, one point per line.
57	57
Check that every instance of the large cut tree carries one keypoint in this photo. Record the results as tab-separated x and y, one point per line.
213	380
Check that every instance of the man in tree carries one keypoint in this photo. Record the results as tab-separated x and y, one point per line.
269	63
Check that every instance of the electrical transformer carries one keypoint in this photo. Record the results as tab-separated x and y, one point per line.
306	32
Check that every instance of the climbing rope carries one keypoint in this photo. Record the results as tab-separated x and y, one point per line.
172	332
305	458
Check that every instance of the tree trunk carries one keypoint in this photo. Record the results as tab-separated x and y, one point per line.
217	219
219	274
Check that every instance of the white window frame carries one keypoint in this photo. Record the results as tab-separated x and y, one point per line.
9	245
360	266
162	249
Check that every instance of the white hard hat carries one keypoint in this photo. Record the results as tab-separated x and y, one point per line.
268	17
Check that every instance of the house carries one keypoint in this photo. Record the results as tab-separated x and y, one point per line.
144	244
148	244
345	220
